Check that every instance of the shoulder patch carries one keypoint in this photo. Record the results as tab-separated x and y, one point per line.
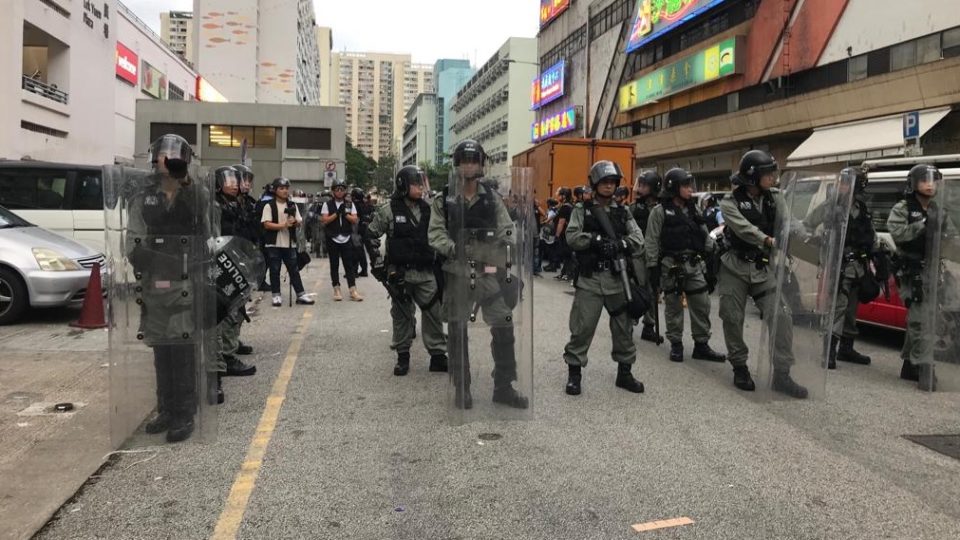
670	212
400	219
746	205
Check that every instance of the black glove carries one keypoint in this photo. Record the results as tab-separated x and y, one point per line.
604	247
653	276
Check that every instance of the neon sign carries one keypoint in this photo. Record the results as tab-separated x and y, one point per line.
550	9
554	124
657	17
549	86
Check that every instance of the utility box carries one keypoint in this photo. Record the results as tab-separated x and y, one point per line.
565	162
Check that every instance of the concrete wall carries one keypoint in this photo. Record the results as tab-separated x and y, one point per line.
867	25
520	76
83	53
277	45
225	58
304	167
328	78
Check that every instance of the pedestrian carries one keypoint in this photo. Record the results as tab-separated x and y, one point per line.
479	210
409	270
599	285
751	214
677	243
907	224
280	219
646	192
711	212
338	217
564	253
859	243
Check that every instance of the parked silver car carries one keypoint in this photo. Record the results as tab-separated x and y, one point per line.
39	268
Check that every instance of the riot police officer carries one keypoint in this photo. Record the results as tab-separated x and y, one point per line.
233	222
409	269
564	256
858	249
251	230
646	191
620	196
480	212
365	215
750	216
599	285
907	224
677	242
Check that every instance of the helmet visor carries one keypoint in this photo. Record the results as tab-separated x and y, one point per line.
171	148
228	178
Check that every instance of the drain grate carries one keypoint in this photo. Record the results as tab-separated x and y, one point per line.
948	445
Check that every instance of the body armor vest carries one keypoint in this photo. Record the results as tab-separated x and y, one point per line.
407	245
682	230
764	218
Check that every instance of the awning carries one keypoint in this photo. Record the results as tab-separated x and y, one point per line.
860	140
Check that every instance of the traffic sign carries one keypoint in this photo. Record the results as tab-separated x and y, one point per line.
911	125
328	178
331	166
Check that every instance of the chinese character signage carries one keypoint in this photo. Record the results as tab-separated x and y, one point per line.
550	9
549	86
153	82
554	124
657	17
127	64
714	63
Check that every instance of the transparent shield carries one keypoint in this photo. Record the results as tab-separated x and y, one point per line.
940	307
488	297
238	268
161	307
804	270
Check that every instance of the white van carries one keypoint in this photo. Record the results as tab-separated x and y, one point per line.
66	199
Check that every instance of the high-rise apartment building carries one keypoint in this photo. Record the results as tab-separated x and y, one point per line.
377	90
420	132
176	30
328	78
449	76
248	49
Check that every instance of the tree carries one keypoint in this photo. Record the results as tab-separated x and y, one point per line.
359	167
439	175
384	173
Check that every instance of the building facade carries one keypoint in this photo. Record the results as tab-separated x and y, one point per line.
328	77
494	107
449	76
420	141
818	84
259	51
176	30
296	141
377	90
54	106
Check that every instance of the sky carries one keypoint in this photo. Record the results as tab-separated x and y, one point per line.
426	29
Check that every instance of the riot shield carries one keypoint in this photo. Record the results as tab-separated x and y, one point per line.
488	297
938	342
161	307
238	268
800	296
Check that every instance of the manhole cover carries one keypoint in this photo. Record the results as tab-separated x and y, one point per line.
948	445
490	436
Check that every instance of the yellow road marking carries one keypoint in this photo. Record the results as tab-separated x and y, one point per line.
246	479
662	524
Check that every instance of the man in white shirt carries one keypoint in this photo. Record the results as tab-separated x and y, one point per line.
338	217
280	219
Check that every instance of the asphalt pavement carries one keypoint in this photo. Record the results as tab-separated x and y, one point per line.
355	452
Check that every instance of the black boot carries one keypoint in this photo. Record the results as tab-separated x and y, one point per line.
236	368
650	334
244	349
785	385
702	351
506	395
438	363
573	380
832	356
910	371
676	352
847	354
927	378
159	423
742	379
403	364
625	379
181	427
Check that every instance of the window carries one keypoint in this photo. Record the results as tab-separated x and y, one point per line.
88	192
928	49
880	200
33	189
308	138
903	55
187	131
174	91
857	68
951	43
233	136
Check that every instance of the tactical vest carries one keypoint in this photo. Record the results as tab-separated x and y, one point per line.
270	237
407	245
159	253
482	215
641	214
231	216
588	259
915	249
682	231
339	226
860	233
764	218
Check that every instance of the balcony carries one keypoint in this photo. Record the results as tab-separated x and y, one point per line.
49	91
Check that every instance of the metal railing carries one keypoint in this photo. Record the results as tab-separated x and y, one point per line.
43	89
